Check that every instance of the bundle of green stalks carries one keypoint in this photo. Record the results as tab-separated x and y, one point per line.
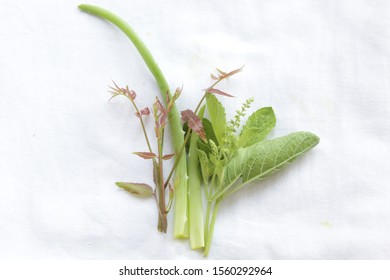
214	157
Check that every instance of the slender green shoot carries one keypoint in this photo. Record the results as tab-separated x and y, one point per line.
180	180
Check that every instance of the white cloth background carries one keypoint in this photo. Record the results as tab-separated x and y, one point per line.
322	65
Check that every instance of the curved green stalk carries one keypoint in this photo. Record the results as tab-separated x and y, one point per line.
180	181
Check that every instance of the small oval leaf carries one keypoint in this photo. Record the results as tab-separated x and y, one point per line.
137	189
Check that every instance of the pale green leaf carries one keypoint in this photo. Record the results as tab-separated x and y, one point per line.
257	127
265	158
217	116
136	188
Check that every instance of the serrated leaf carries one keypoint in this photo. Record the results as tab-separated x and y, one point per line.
262	159
137	189
217	116
194	123
145	155
257	127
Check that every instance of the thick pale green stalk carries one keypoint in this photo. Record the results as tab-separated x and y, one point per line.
195	196
180	181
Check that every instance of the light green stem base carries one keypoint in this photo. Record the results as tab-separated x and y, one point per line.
209	236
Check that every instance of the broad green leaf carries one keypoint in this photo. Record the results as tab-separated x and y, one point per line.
136	188
265	158
217	116
257	127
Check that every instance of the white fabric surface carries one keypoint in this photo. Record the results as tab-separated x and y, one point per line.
322	65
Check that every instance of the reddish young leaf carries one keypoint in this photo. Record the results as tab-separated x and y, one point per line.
231	73
136	188
223	75
160	113
158	107
168	156
217	91
144	112
214	77
145	155
222	72
194	123
130	93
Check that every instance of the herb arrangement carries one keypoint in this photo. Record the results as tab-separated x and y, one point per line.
214	157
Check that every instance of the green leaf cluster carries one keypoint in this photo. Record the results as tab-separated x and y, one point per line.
226	158
239	159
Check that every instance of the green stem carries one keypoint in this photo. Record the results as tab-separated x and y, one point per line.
180	182
211	230
207	222
162	221
142	125
195	196
176	159
187	137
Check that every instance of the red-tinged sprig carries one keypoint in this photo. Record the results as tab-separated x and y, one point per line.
144	112
223	75
194	123
116	90
160	116
131	95
175	96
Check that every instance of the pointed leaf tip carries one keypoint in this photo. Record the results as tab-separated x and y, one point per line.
145	155
167	156
137	189
220	92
